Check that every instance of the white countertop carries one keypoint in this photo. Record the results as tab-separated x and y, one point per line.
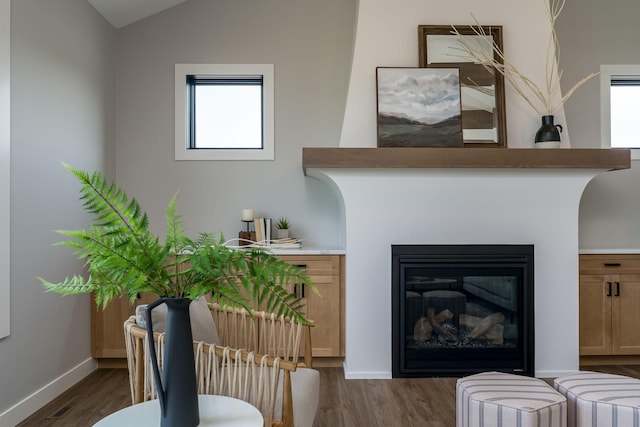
308	251
302	250
627	251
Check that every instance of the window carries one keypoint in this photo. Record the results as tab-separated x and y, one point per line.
620	107
224	112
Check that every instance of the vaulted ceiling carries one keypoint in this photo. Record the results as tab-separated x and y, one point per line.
123	12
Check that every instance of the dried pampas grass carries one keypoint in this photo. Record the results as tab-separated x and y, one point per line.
540	99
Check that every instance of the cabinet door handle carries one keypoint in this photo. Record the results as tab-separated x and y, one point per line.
617	289
612	264
609	284
295	287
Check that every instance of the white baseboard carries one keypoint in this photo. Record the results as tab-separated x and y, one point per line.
32	403
553	374
384	375
363	375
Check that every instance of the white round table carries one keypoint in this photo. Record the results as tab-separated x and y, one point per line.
216	411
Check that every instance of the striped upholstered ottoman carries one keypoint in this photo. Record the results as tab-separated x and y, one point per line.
600	400
495	399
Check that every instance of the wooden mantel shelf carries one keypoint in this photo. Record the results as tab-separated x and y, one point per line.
418	157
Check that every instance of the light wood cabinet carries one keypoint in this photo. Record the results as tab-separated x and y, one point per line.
609	297
326	309
107	333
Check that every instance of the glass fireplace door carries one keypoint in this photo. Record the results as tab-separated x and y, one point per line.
458	315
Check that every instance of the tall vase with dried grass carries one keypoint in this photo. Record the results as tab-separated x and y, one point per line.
544	100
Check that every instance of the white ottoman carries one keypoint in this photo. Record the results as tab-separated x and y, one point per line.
600	400
496	399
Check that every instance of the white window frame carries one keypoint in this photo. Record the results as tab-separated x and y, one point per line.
182	150
608	72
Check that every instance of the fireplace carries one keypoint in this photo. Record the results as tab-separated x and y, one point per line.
462	309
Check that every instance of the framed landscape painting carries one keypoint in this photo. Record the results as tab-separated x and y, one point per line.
419	107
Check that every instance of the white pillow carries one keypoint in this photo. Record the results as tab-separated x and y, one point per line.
203	328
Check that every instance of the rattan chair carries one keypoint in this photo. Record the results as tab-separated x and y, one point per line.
264	333
257	360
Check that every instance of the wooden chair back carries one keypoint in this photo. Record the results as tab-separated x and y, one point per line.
242	374
264	333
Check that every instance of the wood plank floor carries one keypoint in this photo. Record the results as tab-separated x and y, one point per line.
426	402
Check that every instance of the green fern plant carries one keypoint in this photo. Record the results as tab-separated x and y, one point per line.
123	257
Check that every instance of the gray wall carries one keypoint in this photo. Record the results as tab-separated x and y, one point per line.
65	59
62	109
309	43
594	32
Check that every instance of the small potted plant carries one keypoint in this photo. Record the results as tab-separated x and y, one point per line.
282	228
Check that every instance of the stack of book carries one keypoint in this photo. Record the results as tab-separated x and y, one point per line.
263	229
289	243
264	238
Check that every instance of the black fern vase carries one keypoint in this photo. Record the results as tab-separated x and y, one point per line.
176	384
548	136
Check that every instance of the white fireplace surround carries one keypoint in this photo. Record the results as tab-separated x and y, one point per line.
449	205
383	207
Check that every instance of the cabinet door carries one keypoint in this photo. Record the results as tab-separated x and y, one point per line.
625	314
323	308
595	315
107	333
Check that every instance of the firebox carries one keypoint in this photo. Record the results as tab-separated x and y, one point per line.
462	309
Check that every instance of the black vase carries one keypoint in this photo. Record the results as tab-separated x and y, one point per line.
176	387
548	136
